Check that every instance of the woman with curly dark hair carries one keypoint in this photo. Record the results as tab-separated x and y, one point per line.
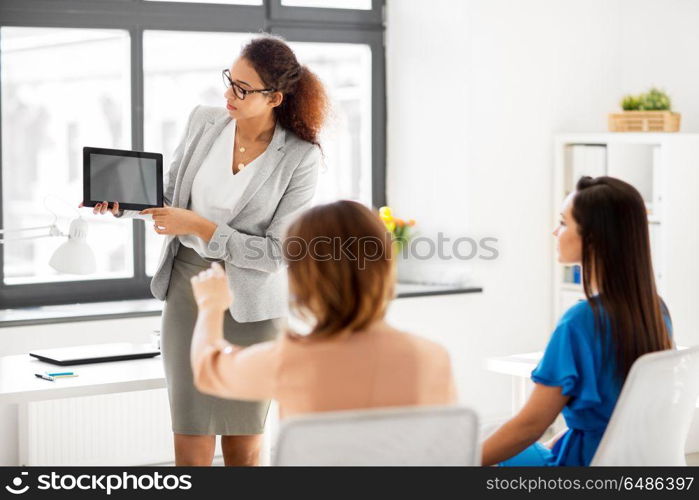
238	175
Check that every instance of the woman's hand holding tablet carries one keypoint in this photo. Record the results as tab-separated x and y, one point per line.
101	208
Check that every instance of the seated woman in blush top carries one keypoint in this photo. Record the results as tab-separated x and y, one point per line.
341	279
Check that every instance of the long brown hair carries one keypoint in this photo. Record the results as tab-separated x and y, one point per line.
304	107
613	225
340	268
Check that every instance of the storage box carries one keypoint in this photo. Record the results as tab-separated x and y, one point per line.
644	121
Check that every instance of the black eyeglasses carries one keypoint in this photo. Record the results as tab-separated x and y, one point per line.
239	91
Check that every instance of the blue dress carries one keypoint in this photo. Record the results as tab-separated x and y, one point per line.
583	364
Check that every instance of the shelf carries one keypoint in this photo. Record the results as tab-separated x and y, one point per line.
604	138
410	290
572	287
663	167
120	309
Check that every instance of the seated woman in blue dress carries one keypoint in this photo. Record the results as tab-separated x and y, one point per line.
604	228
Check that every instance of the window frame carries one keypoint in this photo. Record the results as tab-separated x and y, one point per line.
296	24
279	12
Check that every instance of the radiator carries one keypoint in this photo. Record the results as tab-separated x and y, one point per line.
130	428
125	429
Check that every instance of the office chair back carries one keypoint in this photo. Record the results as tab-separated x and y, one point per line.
651	420
385	436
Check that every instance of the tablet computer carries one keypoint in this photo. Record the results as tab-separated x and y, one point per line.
133	178
65	356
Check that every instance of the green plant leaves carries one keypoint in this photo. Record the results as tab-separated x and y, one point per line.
653	100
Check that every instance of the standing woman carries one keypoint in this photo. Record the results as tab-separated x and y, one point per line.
238	176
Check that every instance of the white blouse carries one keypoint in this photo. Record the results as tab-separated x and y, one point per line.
215	189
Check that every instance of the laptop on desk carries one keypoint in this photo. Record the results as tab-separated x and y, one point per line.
99	353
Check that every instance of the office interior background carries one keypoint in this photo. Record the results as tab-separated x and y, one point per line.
450	112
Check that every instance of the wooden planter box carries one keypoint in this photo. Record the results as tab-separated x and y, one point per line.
644	121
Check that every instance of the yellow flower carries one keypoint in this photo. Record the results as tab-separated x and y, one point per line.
390	226
385	212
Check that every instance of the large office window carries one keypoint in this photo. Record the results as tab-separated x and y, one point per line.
73	78
181	70
62	89
346	140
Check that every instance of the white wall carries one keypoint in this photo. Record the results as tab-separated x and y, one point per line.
475	90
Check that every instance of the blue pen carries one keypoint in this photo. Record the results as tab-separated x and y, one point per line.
58	374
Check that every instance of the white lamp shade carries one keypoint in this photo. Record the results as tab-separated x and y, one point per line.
75	256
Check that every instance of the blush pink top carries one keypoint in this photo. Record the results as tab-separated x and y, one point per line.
378	367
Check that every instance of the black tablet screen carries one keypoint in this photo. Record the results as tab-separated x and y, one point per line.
123	178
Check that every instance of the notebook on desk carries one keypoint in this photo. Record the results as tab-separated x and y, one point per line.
98	353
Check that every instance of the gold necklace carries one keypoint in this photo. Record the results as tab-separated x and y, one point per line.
243	149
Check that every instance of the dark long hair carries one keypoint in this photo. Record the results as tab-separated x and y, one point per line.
305	104
613	225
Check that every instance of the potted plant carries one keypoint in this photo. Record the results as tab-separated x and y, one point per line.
401	232
649	112
400	229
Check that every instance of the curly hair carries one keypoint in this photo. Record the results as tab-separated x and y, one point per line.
304	107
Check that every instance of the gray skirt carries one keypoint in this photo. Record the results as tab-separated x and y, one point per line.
192	411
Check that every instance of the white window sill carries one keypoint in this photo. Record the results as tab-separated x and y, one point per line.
93	311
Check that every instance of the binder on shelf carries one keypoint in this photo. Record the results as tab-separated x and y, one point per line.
584	160
577	279
635	164
572	275
656	182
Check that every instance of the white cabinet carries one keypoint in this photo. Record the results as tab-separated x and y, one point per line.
665	170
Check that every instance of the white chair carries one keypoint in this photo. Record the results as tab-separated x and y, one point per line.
385	436
651	420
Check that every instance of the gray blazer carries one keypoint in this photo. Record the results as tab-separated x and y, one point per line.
250	242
